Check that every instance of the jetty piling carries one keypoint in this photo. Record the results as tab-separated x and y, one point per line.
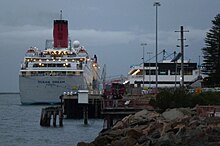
85	114
83	98
47	113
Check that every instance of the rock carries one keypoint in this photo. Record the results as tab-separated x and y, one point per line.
172	114
143	117
187	111
166	140
115	133
102	140
156	134
124	141
141	114
174	127
124	123
134	133
144	139
85	144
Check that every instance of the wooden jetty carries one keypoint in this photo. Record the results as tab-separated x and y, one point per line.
116	109
108	108
53	112
73	109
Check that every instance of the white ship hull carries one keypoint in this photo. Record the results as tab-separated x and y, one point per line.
47	89
61	67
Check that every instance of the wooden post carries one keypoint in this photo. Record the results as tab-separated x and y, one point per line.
85	114
54	118
42	119
109	122
61	118
96	108
61	101
48	115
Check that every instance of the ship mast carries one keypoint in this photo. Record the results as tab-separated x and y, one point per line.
61	14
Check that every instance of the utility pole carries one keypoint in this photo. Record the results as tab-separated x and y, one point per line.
149	70
199	66
143	44
182	52
156	4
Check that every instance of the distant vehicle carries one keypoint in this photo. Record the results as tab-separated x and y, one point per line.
114	90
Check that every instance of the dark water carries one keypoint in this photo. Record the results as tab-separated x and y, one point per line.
19	125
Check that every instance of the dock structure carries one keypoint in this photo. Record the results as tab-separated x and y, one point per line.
73	109
110	109
116	109
53	112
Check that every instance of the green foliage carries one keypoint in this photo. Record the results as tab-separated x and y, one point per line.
182	98
211	54
212	98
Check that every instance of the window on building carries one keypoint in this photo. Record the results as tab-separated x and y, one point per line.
173	72
188	72
163	72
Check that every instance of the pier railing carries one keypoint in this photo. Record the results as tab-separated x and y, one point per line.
208	110
117	104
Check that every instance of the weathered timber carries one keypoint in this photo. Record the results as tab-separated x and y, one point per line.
116	109
46	114
74	110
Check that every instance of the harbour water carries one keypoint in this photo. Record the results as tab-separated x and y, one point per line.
20	126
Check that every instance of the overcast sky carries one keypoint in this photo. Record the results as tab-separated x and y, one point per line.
113	30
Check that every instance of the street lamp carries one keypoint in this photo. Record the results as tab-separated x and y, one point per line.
199	67
156	4
143	44
149	53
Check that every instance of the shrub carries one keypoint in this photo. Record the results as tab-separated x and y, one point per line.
169	98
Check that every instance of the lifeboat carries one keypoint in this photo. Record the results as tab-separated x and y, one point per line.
31	52
82	52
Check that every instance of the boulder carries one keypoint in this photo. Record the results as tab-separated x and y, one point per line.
172	114
132	132
124	123
124	141
174	127
102	140
85	144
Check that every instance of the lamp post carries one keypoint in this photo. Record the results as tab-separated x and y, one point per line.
143	44
199	67
149	69
156	4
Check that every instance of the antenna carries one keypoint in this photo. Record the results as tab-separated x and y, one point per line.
61	14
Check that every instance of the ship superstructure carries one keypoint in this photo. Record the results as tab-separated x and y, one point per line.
62	67
169	74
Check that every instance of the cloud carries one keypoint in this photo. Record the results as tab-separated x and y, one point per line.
103	38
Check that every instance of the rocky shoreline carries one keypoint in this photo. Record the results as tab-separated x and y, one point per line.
174	127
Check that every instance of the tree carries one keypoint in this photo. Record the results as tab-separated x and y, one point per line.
211	54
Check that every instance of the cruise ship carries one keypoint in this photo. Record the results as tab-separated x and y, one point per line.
169	74
61	67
